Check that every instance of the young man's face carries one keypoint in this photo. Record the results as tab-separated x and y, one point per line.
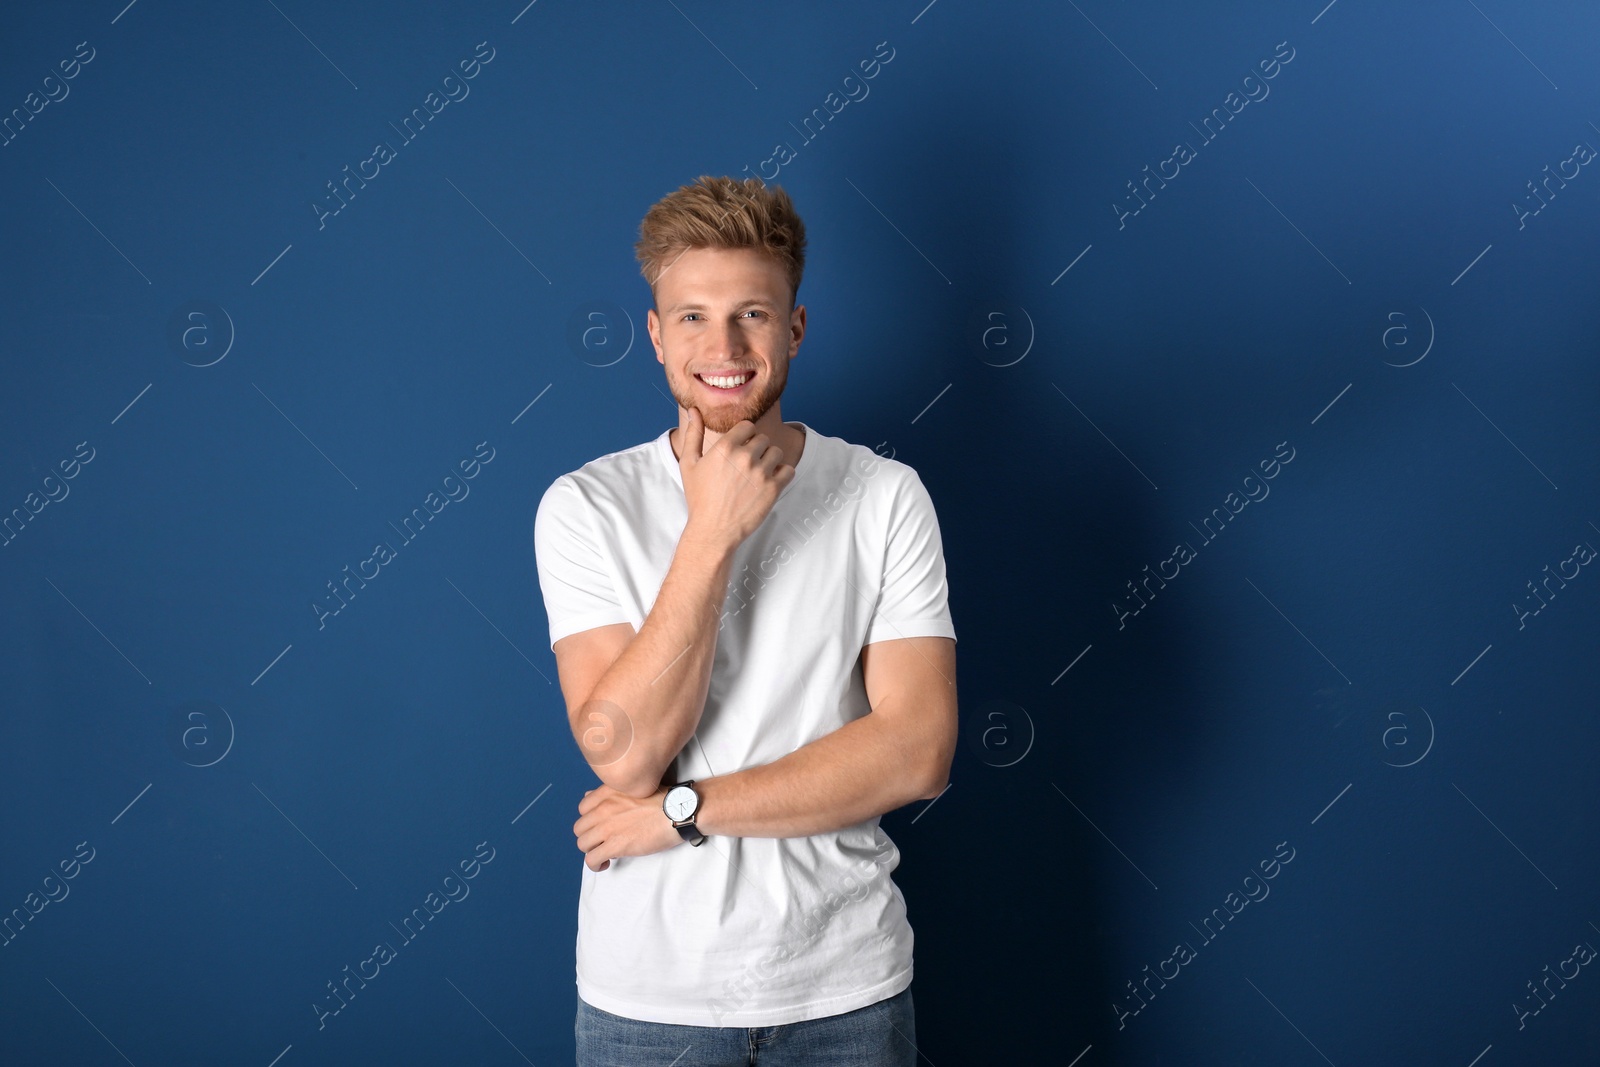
725	312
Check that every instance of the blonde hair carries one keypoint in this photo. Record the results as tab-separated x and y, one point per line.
722	213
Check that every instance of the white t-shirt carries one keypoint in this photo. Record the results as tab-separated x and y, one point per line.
752	931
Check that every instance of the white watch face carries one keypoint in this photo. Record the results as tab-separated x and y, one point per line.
680	803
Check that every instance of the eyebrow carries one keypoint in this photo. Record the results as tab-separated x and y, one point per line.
740	306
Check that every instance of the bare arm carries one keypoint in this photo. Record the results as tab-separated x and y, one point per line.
899	752
633	710
648	703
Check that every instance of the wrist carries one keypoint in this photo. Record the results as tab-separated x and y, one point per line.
680	805
704	545
712	802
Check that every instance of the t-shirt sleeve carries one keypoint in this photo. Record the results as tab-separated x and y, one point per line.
573	574
914	599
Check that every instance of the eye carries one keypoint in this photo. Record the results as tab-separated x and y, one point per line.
690	315
754	311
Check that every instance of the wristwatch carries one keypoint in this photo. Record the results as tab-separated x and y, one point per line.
681	805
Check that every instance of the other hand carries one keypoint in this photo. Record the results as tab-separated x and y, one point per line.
612	824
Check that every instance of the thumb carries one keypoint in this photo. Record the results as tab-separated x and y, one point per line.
694	435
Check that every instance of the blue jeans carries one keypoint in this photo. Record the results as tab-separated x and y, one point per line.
878	1035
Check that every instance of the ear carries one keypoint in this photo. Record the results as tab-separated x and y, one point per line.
652	325
797	329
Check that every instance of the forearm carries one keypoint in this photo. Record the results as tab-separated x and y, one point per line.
865	768
658	685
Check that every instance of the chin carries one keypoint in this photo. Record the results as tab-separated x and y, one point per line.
722	420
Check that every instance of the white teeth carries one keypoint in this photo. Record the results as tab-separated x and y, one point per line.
727	383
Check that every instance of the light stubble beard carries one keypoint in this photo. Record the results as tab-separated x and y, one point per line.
724	416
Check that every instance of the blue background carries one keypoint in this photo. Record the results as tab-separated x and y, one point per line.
1343	671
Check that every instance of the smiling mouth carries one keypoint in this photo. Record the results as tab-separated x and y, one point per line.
729	389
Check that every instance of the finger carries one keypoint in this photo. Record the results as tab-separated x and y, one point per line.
770	461
736	438
694	435
753	442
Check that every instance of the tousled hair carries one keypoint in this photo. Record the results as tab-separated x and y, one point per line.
722	213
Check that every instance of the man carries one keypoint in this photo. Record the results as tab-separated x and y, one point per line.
751	628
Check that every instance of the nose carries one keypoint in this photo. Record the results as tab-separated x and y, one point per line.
725	340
